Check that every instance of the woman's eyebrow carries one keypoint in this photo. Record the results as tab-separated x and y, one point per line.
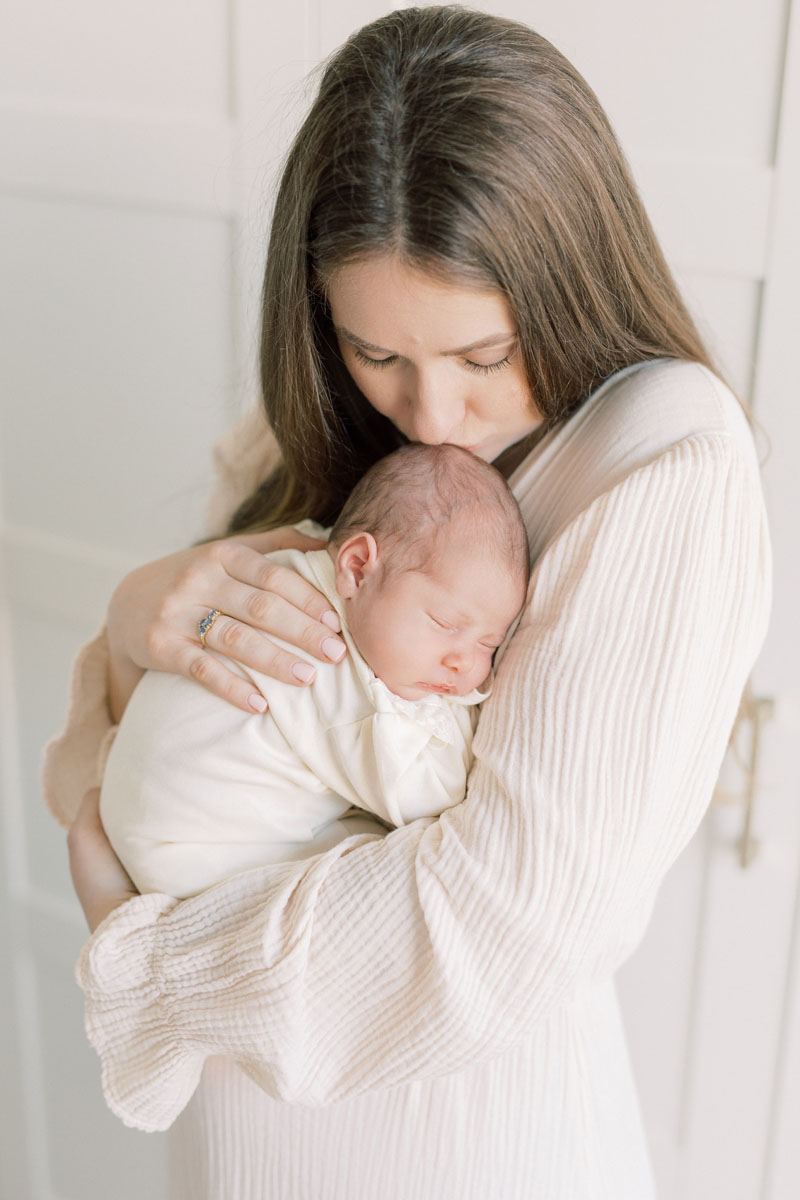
493	339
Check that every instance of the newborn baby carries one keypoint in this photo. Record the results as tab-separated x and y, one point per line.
427	566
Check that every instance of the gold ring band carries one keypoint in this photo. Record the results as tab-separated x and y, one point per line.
204	626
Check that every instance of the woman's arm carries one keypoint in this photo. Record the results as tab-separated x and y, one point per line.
145	634
99	878
153	623
388	960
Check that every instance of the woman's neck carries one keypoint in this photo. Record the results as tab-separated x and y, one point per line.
509	459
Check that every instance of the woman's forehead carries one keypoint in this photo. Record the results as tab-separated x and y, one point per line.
383	301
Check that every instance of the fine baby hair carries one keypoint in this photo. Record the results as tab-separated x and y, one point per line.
412	496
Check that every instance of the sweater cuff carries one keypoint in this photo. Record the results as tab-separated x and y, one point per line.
148	1074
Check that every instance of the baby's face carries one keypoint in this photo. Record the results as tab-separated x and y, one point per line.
437	632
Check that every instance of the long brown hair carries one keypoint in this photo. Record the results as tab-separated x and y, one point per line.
469	146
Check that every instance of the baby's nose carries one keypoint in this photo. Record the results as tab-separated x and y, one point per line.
459	658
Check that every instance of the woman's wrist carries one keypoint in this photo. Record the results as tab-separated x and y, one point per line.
286	537
97	911
101	882
123	672
123	676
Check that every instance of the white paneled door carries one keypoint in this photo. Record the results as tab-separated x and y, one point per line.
139	144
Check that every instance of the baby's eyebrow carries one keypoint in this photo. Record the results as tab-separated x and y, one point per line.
457	620
493	339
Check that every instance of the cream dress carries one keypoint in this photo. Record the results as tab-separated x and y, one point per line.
431	1014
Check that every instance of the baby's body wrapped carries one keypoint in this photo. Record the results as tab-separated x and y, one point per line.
196	790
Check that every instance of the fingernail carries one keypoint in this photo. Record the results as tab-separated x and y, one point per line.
334	649
303	672
331	619
257	702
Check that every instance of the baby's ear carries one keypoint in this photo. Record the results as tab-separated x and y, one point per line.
356	563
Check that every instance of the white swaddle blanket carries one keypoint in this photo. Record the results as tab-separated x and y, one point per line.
196	790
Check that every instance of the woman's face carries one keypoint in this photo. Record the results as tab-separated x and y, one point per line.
440	360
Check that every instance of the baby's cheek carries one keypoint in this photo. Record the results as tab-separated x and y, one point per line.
363	631
483	667
378	644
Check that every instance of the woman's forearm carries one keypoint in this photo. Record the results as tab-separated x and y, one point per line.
123	672
123	676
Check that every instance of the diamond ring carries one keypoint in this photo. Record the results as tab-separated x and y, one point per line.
205	625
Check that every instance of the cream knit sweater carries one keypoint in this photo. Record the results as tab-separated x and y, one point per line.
446	991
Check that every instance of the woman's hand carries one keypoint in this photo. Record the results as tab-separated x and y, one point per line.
99	878
154	614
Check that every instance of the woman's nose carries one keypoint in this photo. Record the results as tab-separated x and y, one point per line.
437	414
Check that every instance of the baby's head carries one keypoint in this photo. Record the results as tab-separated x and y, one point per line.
432	563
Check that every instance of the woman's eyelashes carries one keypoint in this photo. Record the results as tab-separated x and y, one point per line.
477	368
373	362
486	368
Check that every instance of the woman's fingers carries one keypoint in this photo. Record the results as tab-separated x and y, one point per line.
258	598
155	614
245	645
251	613
268	582
198	664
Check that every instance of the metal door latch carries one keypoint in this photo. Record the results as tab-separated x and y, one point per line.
754	713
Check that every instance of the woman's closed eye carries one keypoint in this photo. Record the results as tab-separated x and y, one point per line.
477	368
486	368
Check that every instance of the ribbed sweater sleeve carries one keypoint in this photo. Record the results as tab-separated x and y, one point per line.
391	959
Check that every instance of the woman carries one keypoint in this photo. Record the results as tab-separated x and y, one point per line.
458	254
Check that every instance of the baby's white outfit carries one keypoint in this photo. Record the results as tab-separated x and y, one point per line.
196	790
